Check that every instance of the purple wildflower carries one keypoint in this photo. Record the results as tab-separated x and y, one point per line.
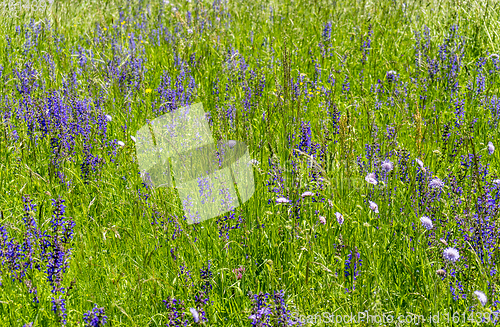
95	317
387	166
340	218
491	148
436	183
373	206
282	200
451	254
481	297
371	178
426	222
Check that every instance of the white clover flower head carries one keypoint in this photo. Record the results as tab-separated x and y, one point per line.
494	56
340	218
322	220
426	222
481	297
371	178
496	181
436	183
190	31
120	143
387	166
373	206
133	138
491	148
282	200
451	254
108	117
307	193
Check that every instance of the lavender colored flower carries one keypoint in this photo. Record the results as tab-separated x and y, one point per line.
451	254
370	178
196	315
491	148
282	200
387	166
373	206
133	138
340	218
426	222
307	193
120	143
481	297
322	220
436	183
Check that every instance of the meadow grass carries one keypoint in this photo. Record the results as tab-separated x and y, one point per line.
319	109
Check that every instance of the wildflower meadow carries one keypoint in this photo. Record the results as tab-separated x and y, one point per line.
366	135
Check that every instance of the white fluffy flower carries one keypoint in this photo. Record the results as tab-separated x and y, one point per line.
426	222
282	200
120	143
481	297
322	220
340	218
108	117
387	166
373	206
491	148
451	254
370	178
